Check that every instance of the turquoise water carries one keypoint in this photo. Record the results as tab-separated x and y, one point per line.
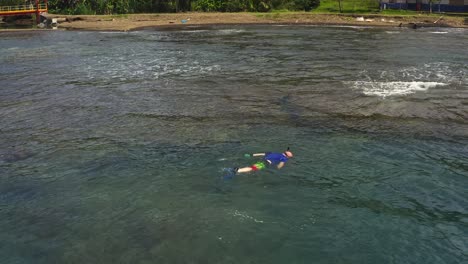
114	144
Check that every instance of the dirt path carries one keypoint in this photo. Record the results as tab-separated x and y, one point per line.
136	21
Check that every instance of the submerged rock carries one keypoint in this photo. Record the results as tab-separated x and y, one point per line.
16	155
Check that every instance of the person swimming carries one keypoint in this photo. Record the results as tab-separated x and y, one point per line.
269	159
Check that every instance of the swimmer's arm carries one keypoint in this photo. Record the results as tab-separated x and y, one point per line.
280	165
254	155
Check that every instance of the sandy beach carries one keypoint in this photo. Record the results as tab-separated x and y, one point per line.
138	21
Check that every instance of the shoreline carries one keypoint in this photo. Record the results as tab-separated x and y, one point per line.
132	22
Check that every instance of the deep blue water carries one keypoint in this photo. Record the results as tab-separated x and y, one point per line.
113	145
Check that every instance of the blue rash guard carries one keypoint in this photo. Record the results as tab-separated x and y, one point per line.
275	158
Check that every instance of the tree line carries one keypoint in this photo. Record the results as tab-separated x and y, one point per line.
106	7
109	7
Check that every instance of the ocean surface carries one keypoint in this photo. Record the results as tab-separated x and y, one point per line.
114	145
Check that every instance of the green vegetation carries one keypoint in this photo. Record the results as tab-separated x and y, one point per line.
402	12
399	12
113	7
348	6
11	2
107	7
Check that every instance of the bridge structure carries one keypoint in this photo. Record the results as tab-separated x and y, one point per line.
37	7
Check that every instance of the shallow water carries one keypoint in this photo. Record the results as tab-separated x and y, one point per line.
113	145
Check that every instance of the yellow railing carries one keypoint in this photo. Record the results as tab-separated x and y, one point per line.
22	8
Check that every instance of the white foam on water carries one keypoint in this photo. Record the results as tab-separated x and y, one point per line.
446	31
113	32
384	89
344	26
193	31
185	70
408	80
116	68
245	216
228	31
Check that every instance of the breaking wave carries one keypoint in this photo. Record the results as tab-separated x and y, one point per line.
408	80
394	88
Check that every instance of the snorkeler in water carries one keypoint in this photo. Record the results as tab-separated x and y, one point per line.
269	159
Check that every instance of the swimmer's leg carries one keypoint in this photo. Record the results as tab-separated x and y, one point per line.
257	166
245	169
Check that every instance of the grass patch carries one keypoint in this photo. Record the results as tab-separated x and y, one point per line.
282	11
273	15
399	12
119	16
348	6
